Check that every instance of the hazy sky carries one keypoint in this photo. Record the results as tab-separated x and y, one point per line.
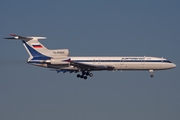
90	28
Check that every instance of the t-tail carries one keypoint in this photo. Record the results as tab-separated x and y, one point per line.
38	52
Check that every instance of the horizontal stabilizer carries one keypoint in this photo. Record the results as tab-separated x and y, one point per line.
18	37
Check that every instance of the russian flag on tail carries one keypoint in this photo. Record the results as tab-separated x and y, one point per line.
36	45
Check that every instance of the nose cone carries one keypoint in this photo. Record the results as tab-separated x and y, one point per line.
173	65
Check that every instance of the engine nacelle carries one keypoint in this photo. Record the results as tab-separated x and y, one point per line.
55	61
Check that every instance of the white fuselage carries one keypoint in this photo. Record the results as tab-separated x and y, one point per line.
121	63
128	63
60	60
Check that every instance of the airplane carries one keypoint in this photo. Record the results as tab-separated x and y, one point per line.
60	61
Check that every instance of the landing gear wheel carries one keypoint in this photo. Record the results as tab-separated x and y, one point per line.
152	75
85	77
78	75
90	74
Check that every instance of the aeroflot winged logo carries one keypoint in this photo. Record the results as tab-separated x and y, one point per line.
36	45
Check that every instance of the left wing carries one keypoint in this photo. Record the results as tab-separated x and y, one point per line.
89	67
64	70
83	67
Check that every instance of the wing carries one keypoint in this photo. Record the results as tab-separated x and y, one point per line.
64	70
83	67
90	67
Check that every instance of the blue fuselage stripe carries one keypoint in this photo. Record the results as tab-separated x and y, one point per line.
165	61
36	55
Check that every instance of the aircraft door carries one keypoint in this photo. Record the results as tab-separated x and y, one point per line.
97	61
121	62
142	62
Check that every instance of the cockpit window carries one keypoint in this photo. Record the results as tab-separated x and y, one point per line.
167	61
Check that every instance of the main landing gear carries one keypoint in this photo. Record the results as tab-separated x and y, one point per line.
151	75
85	74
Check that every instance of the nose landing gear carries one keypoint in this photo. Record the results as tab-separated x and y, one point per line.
151	75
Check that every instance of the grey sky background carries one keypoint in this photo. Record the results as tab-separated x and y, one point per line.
90	28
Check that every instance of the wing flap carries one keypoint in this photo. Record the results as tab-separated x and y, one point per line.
64	70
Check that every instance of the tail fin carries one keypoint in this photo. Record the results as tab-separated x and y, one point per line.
37	51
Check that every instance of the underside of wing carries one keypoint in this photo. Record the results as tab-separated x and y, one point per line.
65	70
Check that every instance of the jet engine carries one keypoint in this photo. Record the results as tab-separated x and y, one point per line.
55	61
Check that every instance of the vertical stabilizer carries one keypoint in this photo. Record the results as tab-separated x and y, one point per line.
36	50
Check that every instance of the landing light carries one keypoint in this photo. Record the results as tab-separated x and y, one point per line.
16	37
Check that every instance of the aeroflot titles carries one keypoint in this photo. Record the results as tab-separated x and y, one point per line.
135	58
